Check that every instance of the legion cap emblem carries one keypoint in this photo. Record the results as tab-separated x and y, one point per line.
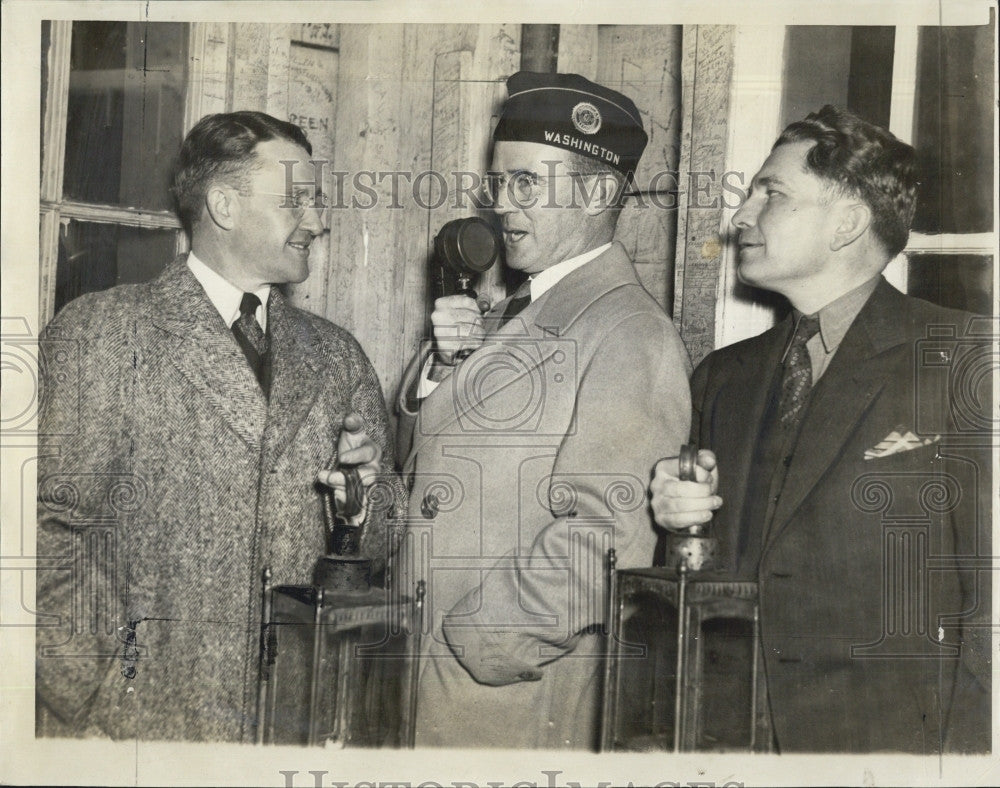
587	118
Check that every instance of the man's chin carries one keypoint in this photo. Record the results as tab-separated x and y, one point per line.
746	274
516	261
295	277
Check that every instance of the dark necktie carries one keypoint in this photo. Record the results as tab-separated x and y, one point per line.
252	340
796	382
522	297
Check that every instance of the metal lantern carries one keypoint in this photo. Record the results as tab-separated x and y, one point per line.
339	667
684	670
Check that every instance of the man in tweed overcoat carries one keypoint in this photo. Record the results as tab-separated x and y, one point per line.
169	479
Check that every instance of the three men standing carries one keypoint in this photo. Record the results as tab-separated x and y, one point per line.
180	453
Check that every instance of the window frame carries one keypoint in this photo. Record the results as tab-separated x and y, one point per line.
754	116
55	211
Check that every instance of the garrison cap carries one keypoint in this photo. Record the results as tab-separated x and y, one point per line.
571	112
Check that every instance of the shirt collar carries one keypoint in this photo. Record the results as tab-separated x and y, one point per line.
224	295
836	317
545	280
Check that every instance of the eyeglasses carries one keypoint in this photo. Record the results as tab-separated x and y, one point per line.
301	199
522	187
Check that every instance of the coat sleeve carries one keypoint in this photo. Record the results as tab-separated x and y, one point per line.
699	386
632	407
84	490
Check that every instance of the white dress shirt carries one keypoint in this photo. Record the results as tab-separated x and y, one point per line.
545	280
225	296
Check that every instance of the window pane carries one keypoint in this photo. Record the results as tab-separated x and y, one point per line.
96	256
954	129
126	112
846	66
817	68
960	281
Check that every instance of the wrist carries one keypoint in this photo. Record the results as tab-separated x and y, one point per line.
441	366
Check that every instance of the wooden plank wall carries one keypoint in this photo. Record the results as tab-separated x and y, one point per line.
707	66
412	99
644	63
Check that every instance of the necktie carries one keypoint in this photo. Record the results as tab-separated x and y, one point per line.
796	382
522	297
252	340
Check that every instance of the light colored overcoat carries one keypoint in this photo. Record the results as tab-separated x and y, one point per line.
528	463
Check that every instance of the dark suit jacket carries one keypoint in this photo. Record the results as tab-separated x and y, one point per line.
864	560
166	484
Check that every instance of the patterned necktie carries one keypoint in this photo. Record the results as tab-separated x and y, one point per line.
522	297
251	338
796	382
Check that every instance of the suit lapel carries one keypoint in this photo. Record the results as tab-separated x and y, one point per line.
743	401
852	382
296	381
202	348
491	370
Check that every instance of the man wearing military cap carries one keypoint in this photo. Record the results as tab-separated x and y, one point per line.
535	435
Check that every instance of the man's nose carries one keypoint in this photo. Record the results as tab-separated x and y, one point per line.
503	203
312	221
746	216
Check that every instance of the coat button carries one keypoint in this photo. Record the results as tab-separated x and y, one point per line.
429	506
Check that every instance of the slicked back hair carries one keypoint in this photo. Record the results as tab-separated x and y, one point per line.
222	146
865	161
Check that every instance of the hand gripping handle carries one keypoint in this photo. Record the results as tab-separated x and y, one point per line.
687	461
355	493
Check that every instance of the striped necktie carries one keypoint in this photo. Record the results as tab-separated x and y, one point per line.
252	339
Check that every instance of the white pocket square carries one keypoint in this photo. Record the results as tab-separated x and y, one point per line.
898	441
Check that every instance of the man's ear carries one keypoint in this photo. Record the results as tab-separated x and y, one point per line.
854	218
221	205
605	194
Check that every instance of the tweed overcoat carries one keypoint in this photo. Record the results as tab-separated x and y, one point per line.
864	560
167	483
528	463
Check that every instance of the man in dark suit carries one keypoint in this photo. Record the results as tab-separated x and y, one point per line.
183	424
845	456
